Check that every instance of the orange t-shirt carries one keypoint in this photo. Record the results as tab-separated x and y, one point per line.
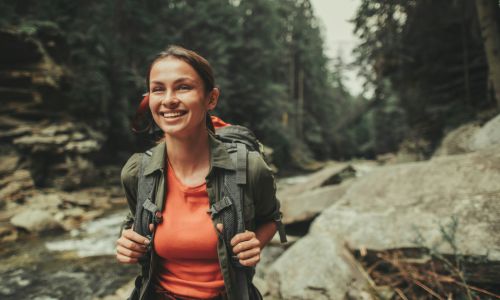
186	243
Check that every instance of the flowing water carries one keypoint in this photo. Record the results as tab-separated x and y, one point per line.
76	265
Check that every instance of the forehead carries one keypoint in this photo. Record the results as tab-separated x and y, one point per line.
171	68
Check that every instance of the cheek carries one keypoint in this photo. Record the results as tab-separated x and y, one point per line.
153	104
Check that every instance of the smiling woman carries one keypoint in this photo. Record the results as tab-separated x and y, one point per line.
189	255
178	98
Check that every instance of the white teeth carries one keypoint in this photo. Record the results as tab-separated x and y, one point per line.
172	114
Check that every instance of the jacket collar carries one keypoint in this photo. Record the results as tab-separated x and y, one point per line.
219	157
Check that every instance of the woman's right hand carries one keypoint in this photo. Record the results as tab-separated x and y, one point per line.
130	246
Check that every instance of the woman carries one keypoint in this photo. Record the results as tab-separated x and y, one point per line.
190	260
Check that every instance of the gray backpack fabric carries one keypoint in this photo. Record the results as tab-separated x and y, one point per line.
238	141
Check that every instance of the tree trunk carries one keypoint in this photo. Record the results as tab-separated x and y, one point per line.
292	118
300	105
487	10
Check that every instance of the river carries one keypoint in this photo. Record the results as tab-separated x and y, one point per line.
76	265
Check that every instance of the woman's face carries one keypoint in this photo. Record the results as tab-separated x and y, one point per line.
177	98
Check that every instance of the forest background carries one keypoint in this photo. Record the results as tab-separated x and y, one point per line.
72	74
424	61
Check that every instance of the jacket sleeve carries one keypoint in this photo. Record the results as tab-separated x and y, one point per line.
129	178
263	184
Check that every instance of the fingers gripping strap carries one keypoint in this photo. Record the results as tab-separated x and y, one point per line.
241	164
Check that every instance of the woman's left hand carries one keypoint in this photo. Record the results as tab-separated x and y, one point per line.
247	247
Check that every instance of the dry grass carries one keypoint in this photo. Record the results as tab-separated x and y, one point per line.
414	274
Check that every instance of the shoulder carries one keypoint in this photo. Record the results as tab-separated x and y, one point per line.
258	170
130	170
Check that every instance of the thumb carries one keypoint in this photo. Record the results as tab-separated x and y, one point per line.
151	227
220	227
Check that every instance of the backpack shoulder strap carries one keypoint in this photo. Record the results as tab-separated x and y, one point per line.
230	207
241	164
146	210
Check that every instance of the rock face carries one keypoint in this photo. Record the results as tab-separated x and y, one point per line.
59	155
58	151
398	206
15	187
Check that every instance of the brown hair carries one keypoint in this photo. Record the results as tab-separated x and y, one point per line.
199	64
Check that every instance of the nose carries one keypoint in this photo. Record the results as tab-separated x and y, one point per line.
170	100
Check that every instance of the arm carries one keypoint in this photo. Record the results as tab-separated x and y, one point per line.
130	246
247	245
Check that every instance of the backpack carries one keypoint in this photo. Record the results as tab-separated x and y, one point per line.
238	141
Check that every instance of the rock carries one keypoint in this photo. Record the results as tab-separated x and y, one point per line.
307	205
8	163
261	285
332	173
122	293
51	201
471	137
487	136
268	256
313	268
11	191
307	196
17	176
16	186
8	234
14	133
458	141
82	147
395	206
56	129
35	220
79	198
78	172
409	205
71	218
41	143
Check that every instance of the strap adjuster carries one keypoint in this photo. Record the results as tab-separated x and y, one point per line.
218	206
157	217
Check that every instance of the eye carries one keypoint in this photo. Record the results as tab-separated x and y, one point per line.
184	87
156	89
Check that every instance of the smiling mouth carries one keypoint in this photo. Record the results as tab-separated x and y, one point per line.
172	114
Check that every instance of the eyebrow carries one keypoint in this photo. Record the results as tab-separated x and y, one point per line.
182	79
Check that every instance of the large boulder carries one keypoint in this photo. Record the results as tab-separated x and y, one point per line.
36	220
487	136
309	195
397	205
316	267
458	141
449	204
307	205
471	137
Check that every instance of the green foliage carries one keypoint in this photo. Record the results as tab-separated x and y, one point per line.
426	62
261	51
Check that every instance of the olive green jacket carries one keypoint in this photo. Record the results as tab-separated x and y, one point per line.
260	203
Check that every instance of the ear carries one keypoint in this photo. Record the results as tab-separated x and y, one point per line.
213	98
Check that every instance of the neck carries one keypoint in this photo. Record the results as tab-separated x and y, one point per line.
189	157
